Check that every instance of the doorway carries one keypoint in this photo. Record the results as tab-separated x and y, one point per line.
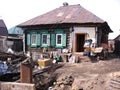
80	39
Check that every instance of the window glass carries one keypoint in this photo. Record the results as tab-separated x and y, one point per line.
58	39
44	39
33	39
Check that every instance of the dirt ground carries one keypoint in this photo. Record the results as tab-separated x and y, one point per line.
100	75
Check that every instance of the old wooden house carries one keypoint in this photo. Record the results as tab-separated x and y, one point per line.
15	39
65	27
3	35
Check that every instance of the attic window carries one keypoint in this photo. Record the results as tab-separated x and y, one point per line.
60	14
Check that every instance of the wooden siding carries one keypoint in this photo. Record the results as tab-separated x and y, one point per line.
65	31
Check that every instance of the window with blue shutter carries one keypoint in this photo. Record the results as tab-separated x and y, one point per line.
45	41
60	38
33	39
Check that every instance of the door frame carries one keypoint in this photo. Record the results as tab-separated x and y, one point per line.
75	44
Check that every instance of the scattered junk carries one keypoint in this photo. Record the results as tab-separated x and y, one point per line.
92	50
64	83
20	68
44	62
3	67
87	46
10	66
10	50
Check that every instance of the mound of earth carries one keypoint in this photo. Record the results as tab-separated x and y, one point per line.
102	75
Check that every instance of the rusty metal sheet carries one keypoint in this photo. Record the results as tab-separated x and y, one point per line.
26	73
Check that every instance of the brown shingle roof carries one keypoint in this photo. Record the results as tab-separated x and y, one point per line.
65	14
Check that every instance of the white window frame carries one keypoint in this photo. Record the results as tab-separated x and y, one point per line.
46	39
33	43
57	40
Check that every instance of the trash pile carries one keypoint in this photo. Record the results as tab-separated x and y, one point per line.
10	66
45	77
63	83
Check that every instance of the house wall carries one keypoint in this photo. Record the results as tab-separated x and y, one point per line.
37	50
88	31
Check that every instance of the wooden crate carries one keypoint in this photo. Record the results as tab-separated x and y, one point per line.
44	62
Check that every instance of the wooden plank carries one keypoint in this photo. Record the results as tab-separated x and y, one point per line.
17	86
98	50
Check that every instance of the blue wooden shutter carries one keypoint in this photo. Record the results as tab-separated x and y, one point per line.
64	40
53	40
38	39
48	39
28	39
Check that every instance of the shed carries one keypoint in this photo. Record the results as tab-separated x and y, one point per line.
117	45
3	35
15	39
117	38
3	28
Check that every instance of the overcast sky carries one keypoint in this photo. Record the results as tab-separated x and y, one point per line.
14	12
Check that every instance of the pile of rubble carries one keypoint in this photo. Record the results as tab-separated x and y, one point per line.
10	65
43	78
63	83
72	75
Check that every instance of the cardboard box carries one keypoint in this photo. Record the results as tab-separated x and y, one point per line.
44	62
